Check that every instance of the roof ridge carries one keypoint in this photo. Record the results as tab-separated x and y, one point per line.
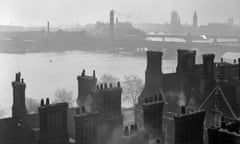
163	95
200	107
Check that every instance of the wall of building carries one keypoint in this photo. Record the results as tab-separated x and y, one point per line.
53	123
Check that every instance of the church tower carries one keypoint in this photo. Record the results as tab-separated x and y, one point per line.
195	20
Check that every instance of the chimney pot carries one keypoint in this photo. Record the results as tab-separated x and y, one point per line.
42	102
78	111
183	109
94	73
83	72
18	76
118	84
105	86
47	101
83	109
126	131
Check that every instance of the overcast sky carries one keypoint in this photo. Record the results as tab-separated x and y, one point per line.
72	12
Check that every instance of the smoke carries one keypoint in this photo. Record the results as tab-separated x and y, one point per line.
181	99
116	136
142	136
86	101
178	96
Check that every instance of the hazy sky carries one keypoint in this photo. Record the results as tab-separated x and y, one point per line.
72	12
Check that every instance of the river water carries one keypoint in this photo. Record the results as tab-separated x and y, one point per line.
44	73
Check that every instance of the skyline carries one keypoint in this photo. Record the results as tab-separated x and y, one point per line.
74	12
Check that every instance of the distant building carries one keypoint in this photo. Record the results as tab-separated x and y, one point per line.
195	20
111	24
231	21
175	19
175	23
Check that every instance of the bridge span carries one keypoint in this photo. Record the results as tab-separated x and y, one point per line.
191	38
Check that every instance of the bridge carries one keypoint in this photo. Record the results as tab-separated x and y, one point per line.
190	38
186	37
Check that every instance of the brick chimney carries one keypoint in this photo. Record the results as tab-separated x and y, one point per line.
19	106
189	127
154	67
208	71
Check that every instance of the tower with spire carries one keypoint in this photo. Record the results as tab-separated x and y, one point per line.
195	20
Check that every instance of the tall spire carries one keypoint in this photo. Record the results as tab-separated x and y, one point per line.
195	19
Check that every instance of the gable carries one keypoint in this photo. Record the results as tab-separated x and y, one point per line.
217	100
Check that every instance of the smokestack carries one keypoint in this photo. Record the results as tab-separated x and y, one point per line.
183	110
111	25
48	26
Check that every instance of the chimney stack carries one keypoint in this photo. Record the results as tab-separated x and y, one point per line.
83	109
42	102
154	62
186	61
19	106
47	101
118	84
